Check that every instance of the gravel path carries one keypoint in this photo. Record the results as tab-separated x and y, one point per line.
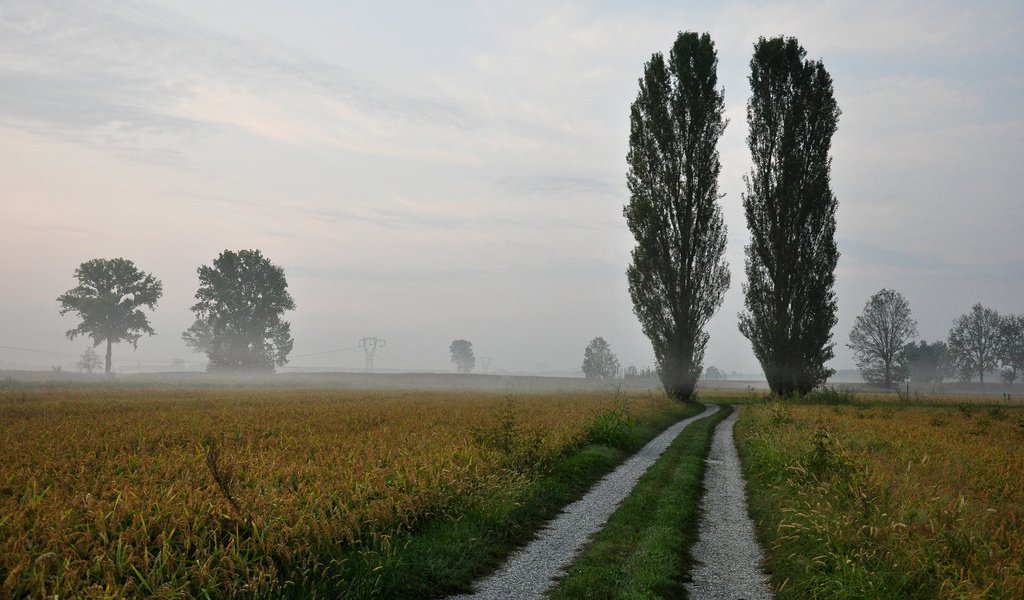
727	551
531	570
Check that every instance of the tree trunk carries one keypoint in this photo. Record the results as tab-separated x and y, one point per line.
107	370
677	379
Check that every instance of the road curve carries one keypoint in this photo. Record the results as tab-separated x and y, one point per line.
531	570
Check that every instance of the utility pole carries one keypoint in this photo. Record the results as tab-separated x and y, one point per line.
369	346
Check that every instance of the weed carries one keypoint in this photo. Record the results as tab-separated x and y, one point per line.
613	426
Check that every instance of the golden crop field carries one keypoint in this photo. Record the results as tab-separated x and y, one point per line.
888	501
118	492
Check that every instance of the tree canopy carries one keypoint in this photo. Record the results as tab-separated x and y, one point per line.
598	360
678	275
1010	349
240	303
928	363
879	337
790	212
109	299
462	355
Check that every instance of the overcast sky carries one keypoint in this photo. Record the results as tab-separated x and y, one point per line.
432	171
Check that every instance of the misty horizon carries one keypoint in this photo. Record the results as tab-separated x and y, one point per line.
429	174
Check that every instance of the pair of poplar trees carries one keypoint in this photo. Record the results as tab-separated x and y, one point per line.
678	275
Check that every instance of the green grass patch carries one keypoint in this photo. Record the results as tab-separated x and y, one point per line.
446	555
882	501
642	552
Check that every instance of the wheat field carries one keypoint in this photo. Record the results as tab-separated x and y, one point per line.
110	492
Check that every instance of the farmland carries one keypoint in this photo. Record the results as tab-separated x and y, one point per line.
112	491
886	500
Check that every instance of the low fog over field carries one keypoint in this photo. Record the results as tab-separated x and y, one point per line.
425	173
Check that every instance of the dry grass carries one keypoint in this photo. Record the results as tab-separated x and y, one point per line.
115	492
888	501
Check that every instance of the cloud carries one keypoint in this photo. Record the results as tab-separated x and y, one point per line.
556	185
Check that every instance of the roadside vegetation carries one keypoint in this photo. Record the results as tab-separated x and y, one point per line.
887	500
642	551
114	492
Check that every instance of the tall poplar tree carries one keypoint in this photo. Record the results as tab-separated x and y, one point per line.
678	276
791	214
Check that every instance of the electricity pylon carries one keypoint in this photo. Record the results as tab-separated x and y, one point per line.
369	346
485	362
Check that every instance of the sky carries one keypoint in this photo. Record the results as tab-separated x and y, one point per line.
431	171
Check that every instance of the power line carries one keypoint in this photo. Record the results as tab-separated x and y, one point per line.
326	352
369	346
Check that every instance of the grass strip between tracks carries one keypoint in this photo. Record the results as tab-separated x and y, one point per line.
643	550
446	556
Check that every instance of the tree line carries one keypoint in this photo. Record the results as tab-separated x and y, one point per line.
980	341
238	311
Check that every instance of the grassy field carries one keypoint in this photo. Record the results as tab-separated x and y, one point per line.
249	492
888	501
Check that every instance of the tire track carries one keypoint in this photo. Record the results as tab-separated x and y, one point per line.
531	570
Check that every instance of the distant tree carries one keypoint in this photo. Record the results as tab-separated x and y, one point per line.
928	363
1010	349
90	361
791	214
108	298
678	275
240	302
630	372
879	337
972	342
713	373
598	360
462	355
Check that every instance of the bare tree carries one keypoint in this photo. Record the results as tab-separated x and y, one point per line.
972	342
879	338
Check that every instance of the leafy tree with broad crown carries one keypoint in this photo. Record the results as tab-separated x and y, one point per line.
972	342
241	300
1010	348
598	360
879	337
678	275
791	214
109	298
462	355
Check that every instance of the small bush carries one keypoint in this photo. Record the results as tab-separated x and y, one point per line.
613	426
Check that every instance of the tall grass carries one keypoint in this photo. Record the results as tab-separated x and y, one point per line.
116	492
888	501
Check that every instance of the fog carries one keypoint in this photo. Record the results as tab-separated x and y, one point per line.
424	174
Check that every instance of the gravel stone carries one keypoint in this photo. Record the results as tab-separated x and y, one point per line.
531	570
728	554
